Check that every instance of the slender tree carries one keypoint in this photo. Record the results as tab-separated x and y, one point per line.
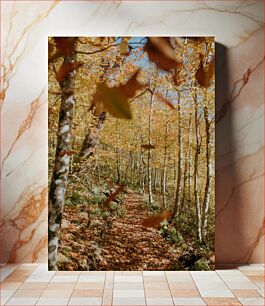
209	172
190	149
149	171
62	159
196	169
180	162
185	193
165	161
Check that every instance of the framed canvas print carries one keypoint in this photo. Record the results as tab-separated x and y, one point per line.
131	153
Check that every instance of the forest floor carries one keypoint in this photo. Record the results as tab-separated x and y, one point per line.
130	245
116	243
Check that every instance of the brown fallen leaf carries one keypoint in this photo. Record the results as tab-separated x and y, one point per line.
115	99
64	47
176	75
204	76
65	69
124	49
65	44
111	100
129	89
148	146
161	52
155	221
113	196
165	100
211	68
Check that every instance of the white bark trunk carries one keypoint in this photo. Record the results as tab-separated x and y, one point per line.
196	165
209	173
180	163
149	172
62	162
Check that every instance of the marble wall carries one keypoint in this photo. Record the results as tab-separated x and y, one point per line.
238	27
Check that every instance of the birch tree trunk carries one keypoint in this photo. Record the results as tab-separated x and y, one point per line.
149	172
155	180
175	176
209	173
186	187
143	172
196	165
62	161
179	164
190	161
165	164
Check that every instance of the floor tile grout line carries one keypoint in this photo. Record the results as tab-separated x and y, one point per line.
102	296
15	290
233	292
227	287
10	297
199	289
145	298
219	278
169	288
13	271
76	282
112	291
248	280
68	299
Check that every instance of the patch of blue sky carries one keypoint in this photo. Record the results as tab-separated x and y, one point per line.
140	59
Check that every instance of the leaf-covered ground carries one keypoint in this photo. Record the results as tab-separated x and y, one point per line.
119	242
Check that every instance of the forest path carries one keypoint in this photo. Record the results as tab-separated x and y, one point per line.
130	246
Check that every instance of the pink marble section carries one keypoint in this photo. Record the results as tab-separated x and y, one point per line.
24	139
238	25
240	157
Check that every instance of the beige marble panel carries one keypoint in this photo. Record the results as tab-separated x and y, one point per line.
240	155
237	25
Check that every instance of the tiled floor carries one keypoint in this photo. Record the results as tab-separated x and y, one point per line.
32	284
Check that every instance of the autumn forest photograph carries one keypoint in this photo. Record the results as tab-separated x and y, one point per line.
131	153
